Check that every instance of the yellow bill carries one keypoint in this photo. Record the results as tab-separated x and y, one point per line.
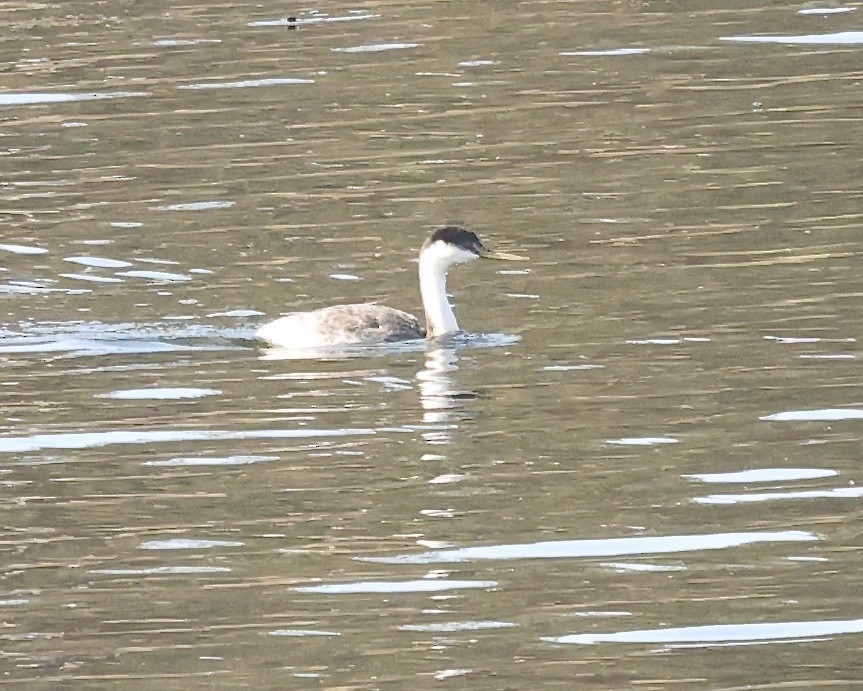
506	256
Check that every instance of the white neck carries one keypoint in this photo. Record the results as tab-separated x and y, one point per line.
440	318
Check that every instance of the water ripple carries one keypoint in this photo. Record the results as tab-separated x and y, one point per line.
23	249
642	441
160	393
90	440
302	632
821	415
609	52
375	48
99	262
424	585
835	493
163	570
245	84
197	206
721	633
208	461
764	475
566	549
40	98
455	626
185	543
840	38
320	19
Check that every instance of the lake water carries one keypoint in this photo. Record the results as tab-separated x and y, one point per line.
640	468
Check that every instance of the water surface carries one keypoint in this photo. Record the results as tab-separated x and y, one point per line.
641	467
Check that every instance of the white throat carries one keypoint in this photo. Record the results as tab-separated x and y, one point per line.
434	262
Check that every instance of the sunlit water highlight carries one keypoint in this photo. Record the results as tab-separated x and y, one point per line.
721	633
567	549
416	586
172	180
90	440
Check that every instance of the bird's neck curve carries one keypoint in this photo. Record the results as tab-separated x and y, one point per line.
440	318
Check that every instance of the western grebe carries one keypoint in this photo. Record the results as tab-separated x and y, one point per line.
368	323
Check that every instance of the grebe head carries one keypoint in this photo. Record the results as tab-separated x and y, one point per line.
455	245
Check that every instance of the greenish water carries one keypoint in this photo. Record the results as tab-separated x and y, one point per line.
641	466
